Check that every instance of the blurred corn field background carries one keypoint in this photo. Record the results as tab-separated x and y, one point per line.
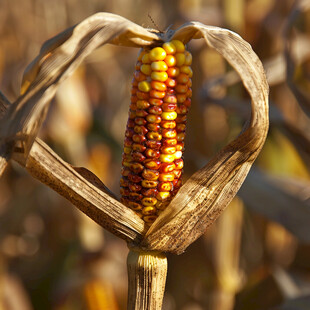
256	256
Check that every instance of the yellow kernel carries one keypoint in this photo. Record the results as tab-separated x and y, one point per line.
178	45
127	150
144	86
188	70
188	58
146	69
149	183
169	116
169	47
159	66
170	61
159	76
163	195
167	158
126	164
157	53
178	154
180	59
149	201
141	54
149	210
146	58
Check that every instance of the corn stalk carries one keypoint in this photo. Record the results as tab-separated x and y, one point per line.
199	201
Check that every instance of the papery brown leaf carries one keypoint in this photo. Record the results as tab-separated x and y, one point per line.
206	194
58	58
44	165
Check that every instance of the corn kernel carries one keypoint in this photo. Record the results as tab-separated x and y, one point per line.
170	99
155	110
149	209
142	95
166	158
134	187
180	59
163	196
169	116
156	101
149	174
180	136
152	164
136	167
182	78
169	133
165	186
159	66
188	58
146	58
149	183
166	177
141	130
159	76
153	127
153	135
169	142
168	150
149	192
168	124
158	86
141	113
170	61
179	163
127	150
157	53
134	205
144	86
188	70
152	153
169	47
152	118
142	52
149	218
153	144
173	71
138	138
140	121
168	107
178	154
167	167
157	94
170	82
142	104
178	45
124	191
146	69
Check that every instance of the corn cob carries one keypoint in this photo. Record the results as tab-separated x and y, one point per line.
155	132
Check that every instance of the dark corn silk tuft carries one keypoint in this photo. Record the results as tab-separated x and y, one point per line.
154	138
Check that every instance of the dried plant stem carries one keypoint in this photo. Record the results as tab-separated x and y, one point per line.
147	273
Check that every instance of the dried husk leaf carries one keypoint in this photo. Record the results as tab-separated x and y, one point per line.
206	194
58	58
95	201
